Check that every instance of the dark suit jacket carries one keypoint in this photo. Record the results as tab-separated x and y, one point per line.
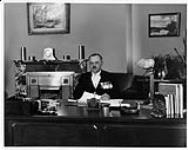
85	84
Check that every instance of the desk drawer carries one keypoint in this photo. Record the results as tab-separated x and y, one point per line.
53	134
144	135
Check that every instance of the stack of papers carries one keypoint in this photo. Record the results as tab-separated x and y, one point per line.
113	102
87	95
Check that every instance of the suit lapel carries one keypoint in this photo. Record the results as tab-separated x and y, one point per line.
101	79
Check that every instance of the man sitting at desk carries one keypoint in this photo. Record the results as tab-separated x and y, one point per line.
97	82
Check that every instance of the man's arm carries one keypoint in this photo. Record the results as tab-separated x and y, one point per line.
114	92
111	94
105	96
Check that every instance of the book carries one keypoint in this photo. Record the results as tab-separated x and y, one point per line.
181	100
167	106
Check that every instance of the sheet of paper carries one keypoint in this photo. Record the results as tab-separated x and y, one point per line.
113	102
72	100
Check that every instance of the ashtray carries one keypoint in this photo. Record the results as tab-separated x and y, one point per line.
129	108
93	104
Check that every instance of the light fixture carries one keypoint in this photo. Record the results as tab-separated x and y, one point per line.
148	66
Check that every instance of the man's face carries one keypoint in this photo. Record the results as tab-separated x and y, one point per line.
95	64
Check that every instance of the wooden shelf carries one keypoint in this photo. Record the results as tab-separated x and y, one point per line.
56	65
169	80
43	62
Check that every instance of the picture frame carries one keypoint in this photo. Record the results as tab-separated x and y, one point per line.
48	18
164	24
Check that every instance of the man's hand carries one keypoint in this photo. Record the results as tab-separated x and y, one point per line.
105	96
82	101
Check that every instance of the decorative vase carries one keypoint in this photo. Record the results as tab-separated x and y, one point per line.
161	74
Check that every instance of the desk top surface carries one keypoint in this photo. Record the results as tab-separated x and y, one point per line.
74	113
79	111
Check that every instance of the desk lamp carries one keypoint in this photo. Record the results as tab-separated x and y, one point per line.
148	66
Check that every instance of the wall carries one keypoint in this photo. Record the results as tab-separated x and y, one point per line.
119	32
101	28
145	47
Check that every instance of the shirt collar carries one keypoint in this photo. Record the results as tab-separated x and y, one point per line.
96	74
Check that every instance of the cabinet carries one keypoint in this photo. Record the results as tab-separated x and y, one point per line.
54	134
154	135
183	82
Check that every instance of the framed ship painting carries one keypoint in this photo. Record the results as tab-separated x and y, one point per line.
48	18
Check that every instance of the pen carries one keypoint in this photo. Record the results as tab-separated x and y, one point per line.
94	94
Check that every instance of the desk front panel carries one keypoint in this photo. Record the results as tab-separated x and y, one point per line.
85	131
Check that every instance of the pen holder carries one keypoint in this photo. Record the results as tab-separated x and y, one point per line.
93	103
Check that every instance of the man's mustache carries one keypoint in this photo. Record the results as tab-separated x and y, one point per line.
94	67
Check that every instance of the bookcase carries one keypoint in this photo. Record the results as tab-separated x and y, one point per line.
173	93
174	101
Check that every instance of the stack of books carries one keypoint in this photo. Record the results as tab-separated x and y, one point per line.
173	94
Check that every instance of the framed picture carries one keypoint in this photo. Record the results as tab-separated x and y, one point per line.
164	25
48	18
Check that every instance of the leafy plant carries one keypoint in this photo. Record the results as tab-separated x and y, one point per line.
176	67
160	67
173	66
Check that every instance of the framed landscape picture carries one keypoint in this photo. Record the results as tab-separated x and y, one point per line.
164	25
48	18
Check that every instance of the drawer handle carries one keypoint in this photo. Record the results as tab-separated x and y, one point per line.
95	127
104	127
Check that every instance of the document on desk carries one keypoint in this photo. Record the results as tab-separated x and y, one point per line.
86	96
113	102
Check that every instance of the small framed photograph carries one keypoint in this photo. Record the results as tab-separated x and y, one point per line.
164	25
48	18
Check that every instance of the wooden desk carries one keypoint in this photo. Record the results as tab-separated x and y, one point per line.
76	126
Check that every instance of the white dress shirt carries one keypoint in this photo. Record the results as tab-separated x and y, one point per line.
96	78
